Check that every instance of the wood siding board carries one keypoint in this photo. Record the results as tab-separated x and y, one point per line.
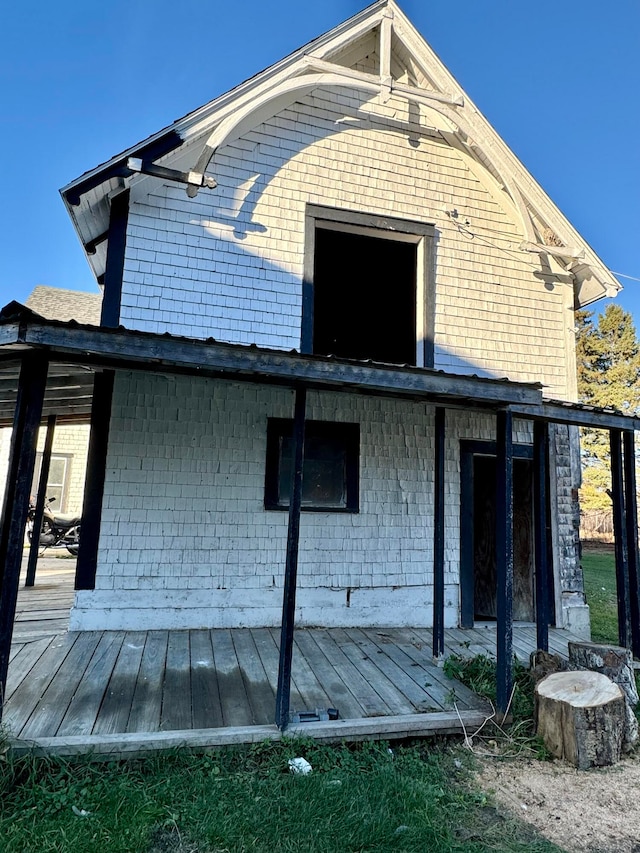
146	705
116	704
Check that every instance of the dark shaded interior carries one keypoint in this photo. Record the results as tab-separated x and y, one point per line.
364	297
484	542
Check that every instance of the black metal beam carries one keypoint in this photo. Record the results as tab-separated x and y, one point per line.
631	525
117	348
112	297
438	534
575	414
540	473
504	560
94	481
33	378
40	501
283	695
164	143
620	539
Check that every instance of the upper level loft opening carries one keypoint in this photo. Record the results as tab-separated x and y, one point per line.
368	288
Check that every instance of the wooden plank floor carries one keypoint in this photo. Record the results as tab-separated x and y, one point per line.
104	684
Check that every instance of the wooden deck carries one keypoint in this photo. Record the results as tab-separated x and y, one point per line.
116	691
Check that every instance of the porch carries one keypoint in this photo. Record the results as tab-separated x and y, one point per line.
117	692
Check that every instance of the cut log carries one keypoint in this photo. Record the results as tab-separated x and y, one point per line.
617	664
580	716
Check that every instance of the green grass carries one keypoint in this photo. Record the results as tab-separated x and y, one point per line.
600	587
418	798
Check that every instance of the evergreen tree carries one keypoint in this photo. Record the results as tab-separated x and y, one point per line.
608	365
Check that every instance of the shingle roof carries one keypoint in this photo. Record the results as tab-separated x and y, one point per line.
54	303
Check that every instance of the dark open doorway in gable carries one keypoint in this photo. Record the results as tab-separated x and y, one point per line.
364	297
368	287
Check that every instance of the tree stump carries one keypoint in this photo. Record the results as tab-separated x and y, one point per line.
617	664
580	715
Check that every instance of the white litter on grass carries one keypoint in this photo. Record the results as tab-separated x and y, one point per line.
300	766
80	812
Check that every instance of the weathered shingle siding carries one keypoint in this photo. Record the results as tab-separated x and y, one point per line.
229	263
184	521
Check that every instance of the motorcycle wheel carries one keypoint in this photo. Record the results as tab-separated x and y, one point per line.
74	547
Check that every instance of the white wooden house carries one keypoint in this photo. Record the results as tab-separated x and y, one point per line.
345	229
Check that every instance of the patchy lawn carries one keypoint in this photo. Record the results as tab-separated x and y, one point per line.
362	798
598	563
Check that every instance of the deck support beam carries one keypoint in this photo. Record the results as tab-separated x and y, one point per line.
620	538
22	456
631	524
40	501
504	559
541	469
94	480
283	694
438	535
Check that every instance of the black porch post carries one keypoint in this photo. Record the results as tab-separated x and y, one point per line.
438	535
541	467
31	388
504	558
620	539
94	480
631	524
40	499
283	694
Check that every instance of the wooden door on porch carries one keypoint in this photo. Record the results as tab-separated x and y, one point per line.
484	536
478	523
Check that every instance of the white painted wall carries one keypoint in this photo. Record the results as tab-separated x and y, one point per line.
229	263
186	541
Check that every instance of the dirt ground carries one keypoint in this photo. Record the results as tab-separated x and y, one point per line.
593	811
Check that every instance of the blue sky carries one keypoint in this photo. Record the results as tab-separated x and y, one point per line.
79	82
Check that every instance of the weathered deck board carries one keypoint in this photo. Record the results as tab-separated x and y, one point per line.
385	688
114	690
373	705
87	699
146	705
261	697
50	710
233	699
20	704
176	694
340	696
206	709
113	715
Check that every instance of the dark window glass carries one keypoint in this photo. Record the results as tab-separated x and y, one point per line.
330	469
